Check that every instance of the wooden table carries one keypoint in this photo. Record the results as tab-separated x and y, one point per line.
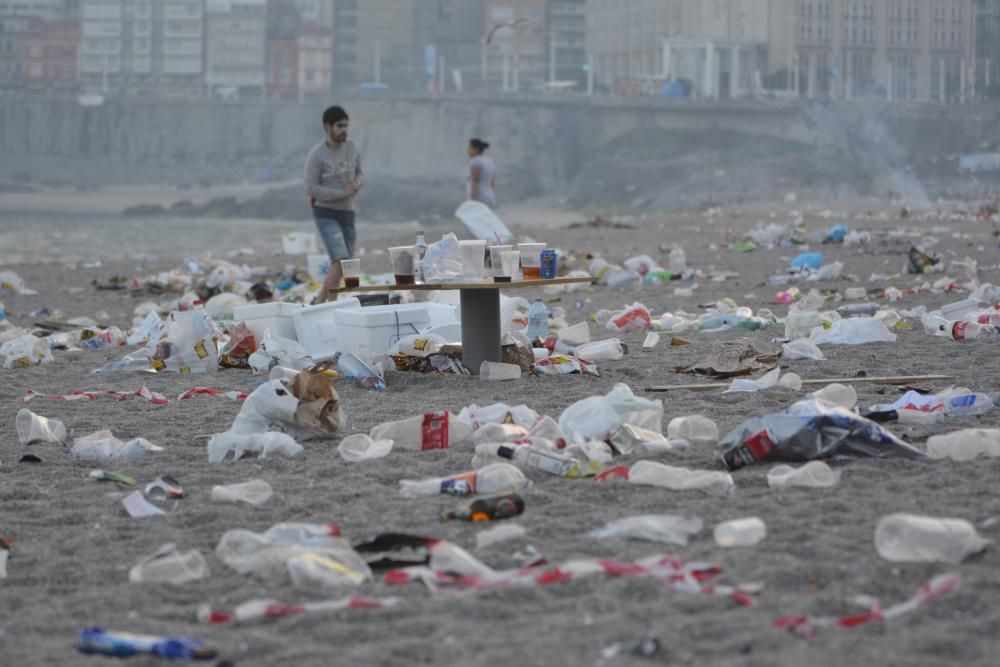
480	304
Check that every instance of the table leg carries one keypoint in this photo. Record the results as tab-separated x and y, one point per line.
480	327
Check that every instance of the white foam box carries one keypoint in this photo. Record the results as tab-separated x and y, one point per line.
316	329
378	327
276	316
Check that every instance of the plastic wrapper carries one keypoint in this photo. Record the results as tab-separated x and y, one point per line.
650	473
167	565
483	223
278	351
11	283
499	413
361	447
630	439
853	331
443	261
25	351
236	353
562	364
666	528
634	319
810	429
802	348
189	346
254	610
599	417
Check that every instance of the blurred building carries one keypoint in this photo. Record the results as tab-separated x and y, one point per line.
717	48
142	46
987	39
47	10
567	57
236	47
51	55
516	56
459	42
15	33
902	50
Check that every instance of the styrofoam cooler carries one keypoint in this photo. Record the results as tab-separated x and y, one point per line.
376	328
276	316
316	329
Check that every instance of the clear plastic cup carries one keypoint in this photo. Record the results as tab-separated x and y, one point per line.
401	258
693	428
531	259
490	370
496	262
352	272
473	259
740	532
510	266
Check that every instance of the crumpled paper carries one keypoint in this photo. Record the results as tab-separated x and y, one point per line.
735	358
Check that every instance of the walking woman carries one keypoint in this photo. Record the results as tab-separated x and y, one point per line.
481	174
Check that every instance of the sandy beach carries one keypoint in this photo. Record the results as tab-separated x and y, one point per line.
75	544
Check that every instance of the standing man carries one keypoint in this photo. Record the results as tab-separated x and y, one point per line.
333	179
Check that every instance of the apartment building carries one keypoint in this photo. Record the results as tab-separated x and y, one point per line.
517	54
47	10
315	60
236	47
51	54
459	40
717	47
139	45
567	35
902	50
986	23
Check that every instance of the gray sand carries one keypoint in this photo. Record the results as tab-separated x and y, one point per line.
75	544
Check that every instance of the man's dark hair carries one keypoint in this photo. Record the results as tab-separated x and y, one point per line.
479	145
333	115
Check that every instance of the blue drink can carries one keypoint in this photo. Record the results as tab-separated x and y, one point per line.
549	261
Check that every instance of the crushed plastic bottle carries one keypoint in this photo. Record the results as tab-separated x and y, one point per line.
967	405
813	475
911	538
167	565
667	528
651	473
740	532
361	373
255	492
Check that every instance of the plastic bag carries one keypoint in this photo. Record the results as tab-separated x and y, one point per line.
802	348
103	446
598	417
189	345
853	331
418	345
810	429
499	413
483	224
14	284
278	351
236	353
25	351
561	364
361	447
443	261
667	528
634	319
152	329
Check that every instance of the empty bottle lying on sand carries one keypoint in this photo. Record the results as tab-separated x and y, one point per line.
910	538
431	430
488	509
541	457
494	478
124	644
651	473
740	532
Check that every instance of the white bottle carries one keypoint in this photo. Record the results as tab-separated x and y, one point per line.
910	538
678	260
538	321
740	532
493	478
432	430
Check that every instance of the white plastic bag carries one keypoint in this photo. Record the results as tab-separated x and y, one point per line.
853	331
443	261
667	528
278	351
103	446
25	351
361	447
634	319
802	348
598	417
482	223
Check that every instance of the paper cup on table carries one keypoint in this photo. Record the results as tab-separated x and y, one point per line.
352	272
473	259
531	259
401	258
496	263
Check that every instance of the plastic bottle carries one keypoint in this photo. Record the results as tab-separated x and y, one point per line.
740	532
694	428
419	251
858	309
494	478
538	321
967	405
910	538
965	445
255	492
681	479
541	457
813	475
431	430
124	365
678	260
964	331
167	565
488	509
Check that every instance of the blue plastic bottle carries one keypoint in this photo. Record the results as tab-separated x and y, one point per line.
538	321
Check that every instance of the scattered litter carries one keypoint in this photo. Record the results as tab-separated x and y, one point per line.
255	492
32	428
139	508
814	475
504	532
740	532
103	446
167	565
666	528
909	538
735	358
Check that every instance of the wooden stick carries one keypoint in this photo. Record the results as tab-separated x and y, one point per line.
891	379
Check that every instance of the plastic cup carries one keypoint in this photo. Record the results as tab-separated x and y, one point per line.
531	259
352	272
694	428
740	532
496	263
401	258
490	370
473	259
510	265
